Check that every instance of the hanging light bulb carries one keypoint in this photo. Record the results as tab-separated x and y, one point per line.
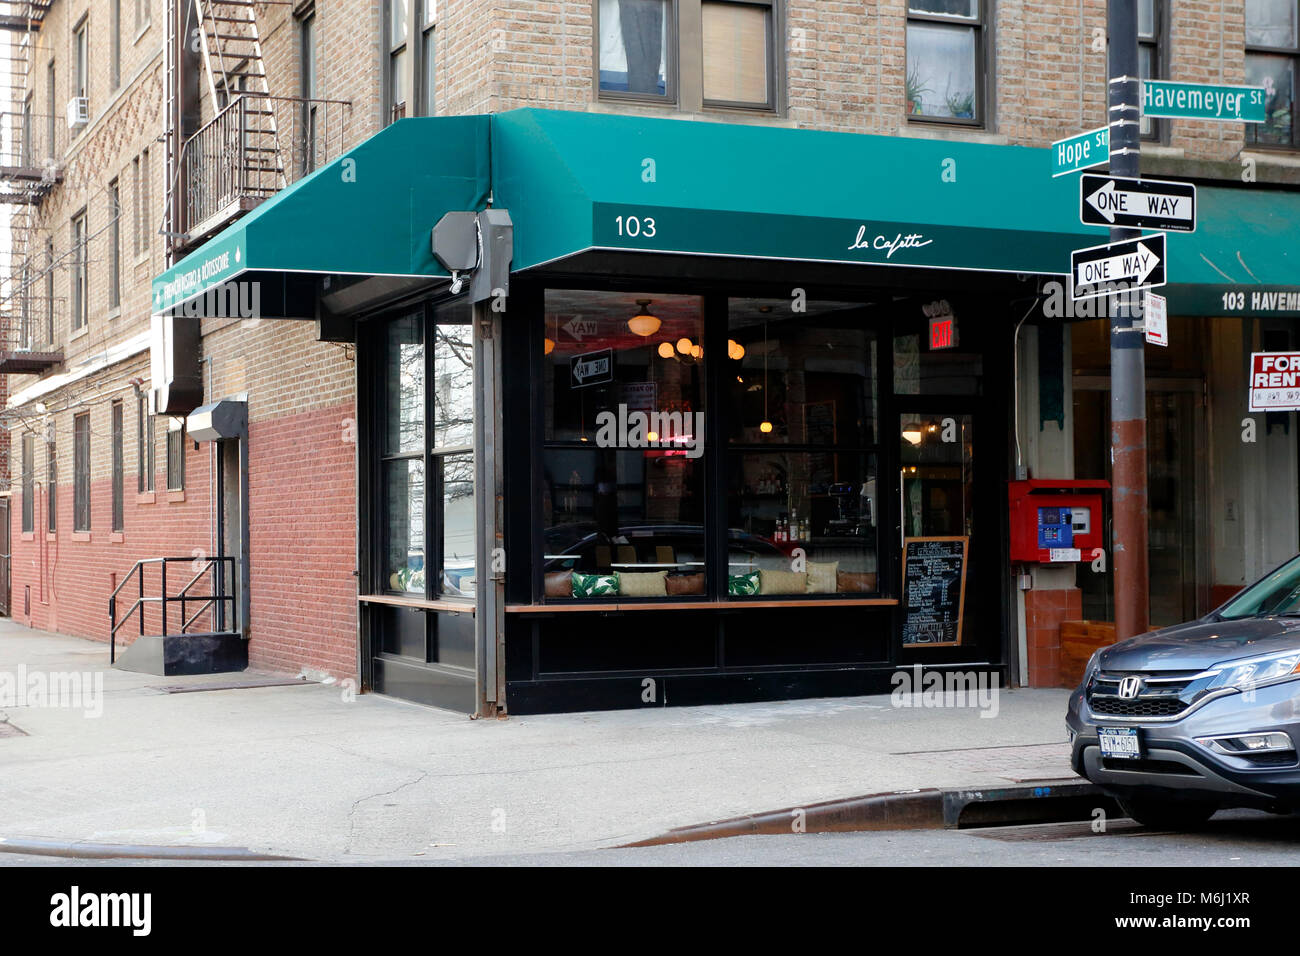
765	426
548	345
645	323
684	345
696	351
735	350
665	349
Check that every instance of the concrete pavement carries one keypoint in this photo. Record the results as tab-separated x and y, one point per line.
315	772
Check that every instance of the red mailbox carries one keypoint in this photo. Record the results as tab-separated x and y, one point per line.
1055	521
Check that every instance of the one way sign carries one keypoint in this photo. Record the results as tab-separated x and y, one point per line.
1137	203
1118	267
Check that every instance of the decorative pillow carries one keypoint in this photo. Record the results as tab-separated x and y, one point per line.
559	584
848	581
692	583
642	583
784	582
742	584
594	585
821	576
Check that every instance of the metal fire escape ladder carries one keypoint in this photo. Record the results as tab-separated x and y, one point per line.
232	53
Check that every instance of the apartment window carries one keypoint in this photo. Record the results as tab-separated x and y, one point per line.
81	472
29	484
637	40
135	206
118	504
80	307
81	58
176	458
51	110
114	246
426	90
144	445
141	15
144	201
397	82
49	292
25	149
115	65
945	61
1272	55
739	54
52	487
1151	55
307	89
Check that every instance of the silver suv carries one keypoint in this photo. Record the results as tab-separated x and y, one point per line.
1190	719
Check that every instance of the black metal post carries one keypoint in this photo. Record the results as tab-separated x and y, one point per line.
163	600
1127	361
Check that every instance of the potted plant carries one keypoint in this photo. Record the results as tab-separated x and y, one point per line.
915	90
963	106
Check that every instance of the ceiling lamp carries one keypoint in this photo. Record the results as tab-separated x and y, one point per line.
735	350
684	345
645	323
665	349
912	433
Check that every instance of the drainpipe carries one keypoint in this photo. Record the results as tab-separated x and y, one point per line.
1127	361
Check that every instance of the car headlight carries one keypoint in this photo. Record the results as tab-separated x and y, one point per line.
1094	665
1257	671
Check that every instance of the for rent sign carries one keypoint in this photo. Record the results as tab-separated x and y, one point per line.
1275	381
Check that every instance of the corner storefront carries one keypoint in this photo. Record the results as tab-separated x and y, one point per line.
675	450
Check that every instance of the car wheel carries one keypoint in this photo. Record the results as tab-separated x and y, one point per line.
1168	814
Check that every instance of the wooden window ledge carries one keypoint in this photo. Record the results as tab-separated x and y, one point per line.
582	605
396	600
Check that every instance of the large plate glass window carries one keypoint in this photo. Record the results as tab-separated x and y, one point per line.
1271	57
945	61
623	422
802	413
635	48
738	54
402	470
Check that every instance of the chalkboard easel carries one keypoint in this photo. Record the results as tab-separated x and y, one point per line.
934	590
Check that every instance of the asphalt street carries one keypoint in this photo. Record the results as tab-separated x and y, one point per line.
1232	839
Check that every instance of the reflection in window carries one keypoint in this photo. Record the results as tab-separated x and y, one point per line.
635	38
404	386
1271	56
404	482
458	525
808	375
822	504
943	59
453	386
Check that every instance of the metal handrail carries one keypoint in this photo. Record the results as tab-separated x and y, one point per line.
183	598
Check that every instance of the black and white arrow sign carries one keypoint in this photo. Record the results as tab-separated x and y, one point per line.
592	368
1118	267
1137	203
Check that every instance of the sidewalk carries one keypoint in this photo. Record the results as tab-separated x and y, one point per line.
300	771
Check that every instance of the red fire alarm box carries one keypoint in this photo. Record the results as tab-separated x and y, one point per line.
1055	521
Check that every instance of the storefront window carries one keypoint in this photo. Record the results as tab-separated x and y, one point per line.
624	428
404	480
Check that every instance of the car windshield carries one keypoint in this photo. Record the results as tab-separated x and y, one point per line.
1279	593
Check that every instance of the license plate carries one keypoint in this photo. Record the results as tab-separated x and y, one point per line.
1119	742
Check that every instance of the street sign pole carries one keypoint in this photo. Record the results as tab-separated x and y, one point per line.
1127	370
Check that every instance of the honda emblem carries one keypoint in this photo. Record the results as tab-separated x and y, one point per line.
1130	687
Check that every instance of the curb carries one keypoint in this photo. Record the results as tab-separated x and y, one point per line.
73	849
1052	801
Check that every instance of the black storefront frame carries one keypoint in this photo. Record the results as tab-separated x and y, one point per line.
530	687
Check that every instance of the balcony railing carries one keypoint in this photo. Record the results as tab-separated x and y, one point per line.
250	150
31	147
33	320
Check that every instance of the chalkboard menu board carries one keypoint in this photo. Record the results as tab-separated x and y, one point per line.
934	586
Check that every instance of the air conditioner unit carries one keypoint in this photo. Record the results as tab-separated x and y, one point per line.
78	112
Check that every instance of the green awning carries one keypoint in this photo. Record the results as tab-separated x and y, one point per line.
1243	259
368	212
576	181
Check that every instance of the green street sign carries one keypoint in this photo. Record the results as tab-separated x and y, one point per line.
1079	152
1233	104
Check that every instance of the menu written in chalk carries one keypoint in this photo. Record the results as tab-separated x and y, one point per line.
934	582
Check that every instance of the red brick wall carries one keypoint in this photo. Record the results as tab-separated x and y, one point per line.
302	504
1044	612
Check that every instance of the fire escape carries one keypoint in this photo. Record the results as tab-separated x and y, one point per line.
31	150
256	142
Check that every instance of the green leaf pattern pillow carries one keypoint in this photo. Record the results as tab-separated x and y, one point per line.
742	584
594	585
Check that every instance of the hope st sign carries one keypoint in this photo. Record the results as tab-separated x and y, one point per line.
1079	152
1231	104
1275	381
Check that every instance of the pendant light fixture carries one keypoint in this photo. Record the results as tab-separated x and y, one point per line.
684	345
666	350
548	343
765	426
645	323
